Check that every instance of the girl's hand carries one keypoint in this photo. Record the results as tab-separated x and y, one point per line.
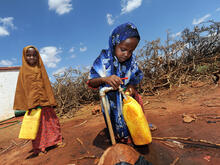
114	81
130	90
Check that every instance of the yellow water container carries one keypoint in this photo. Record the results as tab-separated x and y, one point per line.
30	124
136	122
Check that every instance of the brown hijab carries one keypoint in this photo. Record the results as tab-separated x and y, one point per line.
33	85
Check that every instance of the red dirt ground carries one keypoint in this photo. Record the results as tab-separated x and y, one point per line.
86	137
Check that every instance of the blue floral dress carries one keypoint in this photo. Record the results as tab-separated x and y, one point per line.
107	64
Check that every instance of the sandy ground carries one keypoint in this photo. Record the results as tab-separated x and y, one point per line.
86	137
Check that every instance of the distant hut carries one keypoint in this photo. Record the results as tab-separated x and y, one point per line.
8	82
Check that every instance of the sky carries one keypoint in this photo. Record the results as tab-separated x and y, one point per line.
72	33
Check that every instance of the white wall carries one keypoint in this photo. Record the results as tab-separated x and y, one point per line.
8	82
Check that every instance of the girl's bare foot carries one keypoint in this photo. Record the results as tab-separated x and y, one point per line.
42	153
61	144
152	127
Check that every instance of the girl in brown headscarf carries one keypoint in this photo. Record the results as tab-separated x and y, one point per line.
34	90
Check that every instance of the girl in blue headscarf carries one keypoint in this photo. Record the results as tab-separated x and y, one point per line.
114	63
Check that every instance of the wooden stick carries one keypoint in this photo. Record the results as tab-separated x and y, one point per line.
7	148
78	139
187	139
175	161
86	157
26	142
80	124
112	136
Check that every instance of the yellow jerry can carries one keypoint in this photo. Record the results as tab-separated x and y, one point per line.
30	124
136	121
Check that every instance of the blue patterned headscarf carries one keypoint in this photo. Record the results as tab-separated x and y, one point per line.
121	33
107	64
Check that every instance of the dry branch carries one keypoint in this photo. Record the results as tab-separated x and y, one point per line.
191	57
190	141
85	157
80	124
80	141
175	161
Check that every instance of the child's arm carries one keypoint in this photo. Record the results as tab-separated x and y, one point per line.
113	80
130	90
